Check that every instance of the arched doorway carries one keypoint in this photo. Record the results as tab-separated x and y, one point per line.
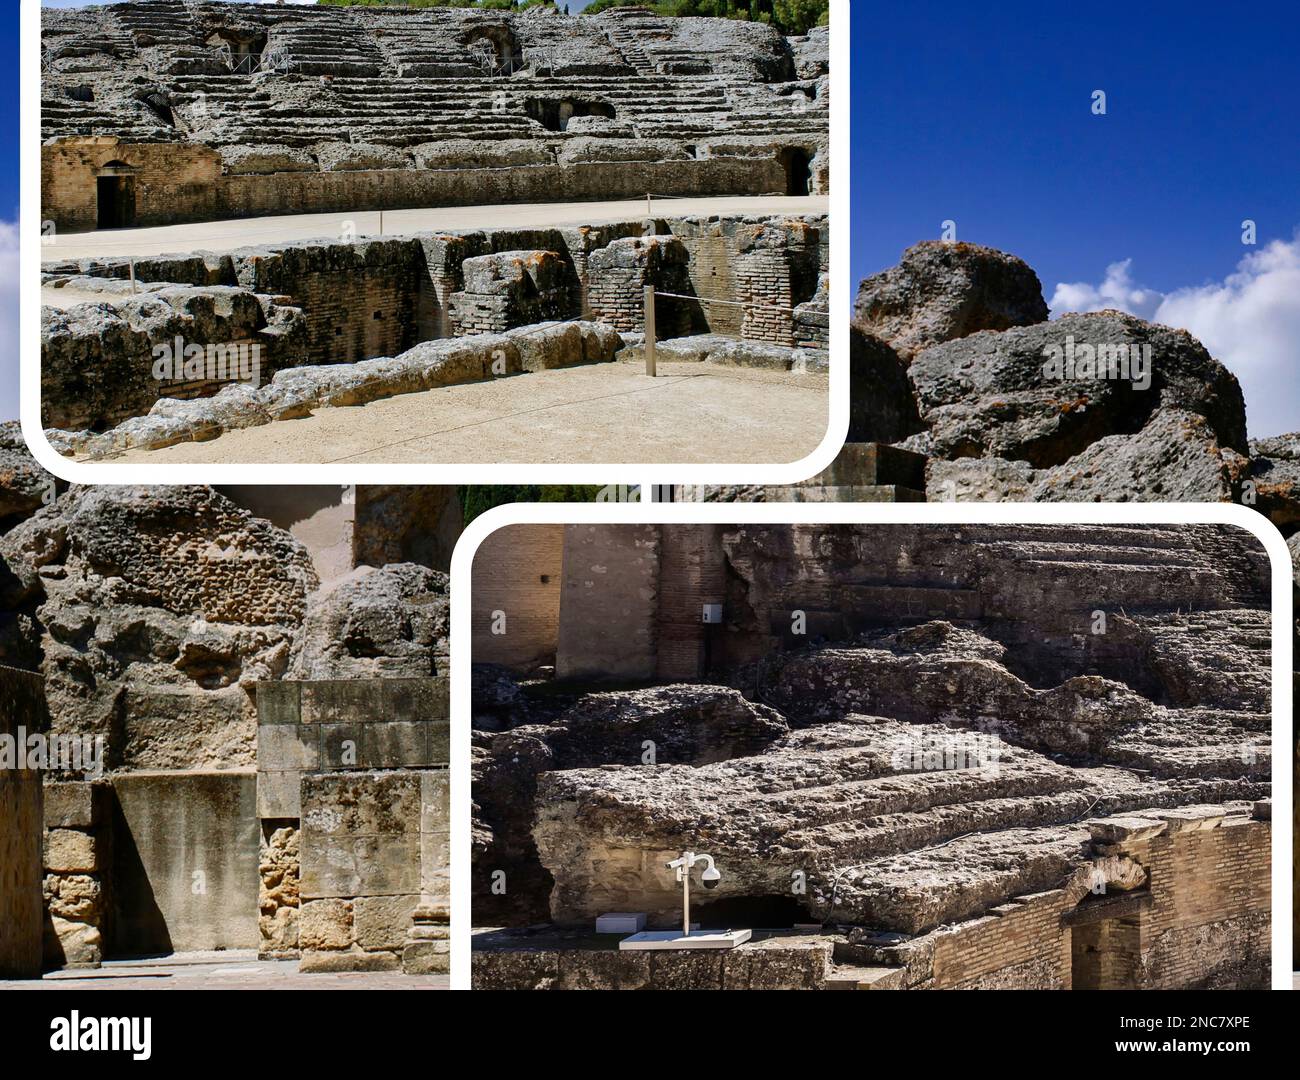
1106	941
115	196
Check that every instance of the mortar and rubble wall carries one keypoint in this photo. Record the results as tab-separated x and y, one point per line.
327	303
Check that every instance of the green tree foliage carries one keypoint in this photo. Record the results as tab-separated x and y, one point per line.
789	16
485	5
477	498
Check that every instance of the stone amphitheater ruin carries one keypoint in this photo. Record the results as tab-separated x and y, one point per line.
255	682
995	756
185	110
167	111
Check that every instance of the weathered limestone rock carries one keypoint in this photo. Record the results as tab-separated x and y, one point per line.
889	824
158	607
24	486
1084	718
943	291
695	724
1275	473
277	921
391	622
1175	457
996	394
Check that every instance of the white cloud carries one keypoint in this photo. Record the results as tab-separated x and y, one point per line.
1117	290
8	320
1250	321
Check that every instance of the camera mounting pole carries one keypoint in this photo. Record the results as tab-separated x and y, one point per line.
683	867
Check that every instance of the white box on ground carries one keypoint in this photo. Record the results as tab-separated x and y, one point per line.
675	939
620	922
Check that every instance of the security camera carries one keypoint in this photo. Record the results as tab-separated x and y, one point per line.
711	877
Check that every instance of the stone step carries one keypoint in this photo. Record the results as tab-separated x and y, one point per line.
849	977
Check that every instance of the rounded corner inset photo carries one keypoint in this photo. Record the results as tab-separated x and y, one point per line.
743	753
333	235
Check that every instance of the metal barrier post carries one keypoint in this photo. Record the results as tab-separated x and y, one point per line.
131	270
650	330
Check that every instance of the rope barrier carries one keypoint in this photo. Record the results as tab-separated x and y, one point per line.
729	303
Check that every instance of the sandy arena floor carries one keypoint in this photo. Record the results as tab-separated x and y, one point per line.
594	414
225	235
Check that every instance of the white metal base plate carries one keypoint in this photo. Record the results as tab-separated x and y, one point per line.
675	939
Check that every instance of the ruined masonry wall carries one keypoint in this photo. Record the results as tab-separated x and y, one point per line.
610	602
77	859
22	705
518	571
1209	912
179	183
353	800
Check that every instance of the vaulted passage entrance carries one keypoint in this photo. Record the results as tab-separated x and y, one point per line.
115	196
798	171
1106	942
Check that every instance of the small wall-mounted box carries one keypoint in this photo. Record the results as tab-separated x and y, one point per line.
712	613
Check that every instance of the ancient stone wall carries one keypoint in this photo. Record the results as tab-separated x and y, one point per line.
609	603
167	182
363	875
518	572
71	172
185	862
101	365
510	289
1202	923
22	712
1199	920
78	861
327	726
360	297
346	302
352	797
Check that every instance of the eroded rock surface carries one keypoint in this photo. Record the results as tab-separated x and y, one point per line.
942	291
158	609
389	622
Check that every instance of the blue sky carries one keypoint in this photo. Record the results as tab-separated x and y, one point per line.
981	114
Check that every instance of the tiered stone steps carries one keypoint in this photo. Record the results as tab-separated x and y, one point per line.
401	77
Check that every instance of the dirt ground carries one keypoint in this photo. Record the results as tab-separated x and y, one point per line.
225	235
610	413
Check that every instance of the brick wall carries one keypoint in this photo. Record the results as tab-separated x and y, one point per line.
609	604
518	572
692	574
1201	921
